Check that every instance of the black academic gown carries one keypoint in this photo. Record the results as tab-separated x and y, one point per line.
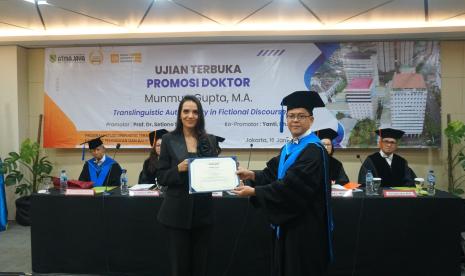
337	172
112	179
298	204
145	177
396	175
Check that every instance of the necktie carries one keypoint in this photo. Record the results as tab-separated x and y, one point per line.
388	160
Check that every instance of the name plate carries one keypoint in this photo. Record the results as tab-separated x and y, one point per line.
217	194
341	193
80	192
144	193
396	193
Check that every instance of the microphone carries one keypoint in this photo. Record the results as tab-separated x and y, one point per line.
365	170
106	193
116	149
250	154
362	166
360	159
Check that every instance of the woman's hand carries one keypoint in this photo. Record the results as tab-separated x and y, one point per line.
183	166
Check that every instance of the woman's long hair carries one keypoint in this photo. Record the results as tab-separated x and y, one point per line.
200	126
332	149
152	160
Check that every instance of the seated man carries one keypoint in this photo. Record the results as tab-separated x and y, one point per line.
101	169
390	167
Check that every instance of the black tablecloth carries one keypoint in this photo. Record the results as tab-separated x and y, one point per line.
117	234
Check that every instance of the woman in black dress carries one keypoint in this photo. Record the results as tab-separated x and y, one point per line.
187	217
336	170
148	173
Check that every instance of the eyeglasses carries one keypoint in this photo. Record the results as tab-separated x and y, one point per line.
327	145
299	117
389	142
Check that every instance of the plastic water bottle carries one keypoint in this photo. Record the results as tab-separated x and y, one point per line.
63	182
431	183
124	183
369	183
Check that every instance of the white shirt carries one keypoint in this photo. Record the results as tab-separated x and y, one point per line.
100	162
388	158
296	140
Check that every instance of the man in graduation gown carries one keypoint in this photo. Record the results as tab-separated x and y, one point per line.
101	169
293	191
390	167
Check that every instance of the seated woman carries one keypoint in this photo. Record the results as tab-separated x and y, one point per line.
148	173
336	170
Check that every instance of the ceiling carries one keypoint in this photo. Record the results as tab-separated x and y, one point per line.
68	22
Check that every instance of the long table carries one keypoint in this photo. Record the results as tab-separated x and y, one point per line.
118	234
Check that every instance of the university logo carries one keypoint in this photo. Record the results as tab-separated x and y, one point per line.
126	57
52	58
96	57
114	58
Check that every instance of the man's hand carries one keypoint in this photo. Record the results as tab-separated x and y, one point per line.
244	191
245	174
183	166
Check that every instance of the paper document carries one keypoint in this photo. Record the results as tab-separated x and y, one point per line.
338	187
141	187
212	174
101	189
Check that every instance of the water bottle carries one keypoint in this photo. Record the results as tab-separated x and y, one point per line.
124	183
369	183
431	183
63	182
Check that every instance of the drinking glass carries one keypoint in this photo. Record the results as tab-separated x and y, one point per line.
47	184
419	182
376	185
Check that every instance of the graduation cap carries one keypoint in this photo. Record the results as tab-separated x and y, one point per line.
93	144
389	133
300	99
327	133
155	135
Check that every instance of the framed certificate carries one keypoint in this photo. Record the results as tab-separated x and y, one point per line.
212	174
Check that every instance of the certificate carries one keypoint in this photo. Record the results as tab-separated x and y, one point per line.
212	174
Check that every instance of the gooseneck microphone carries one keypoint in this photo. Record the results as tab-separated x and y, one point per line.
116	149
106	193
362	167
250	154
